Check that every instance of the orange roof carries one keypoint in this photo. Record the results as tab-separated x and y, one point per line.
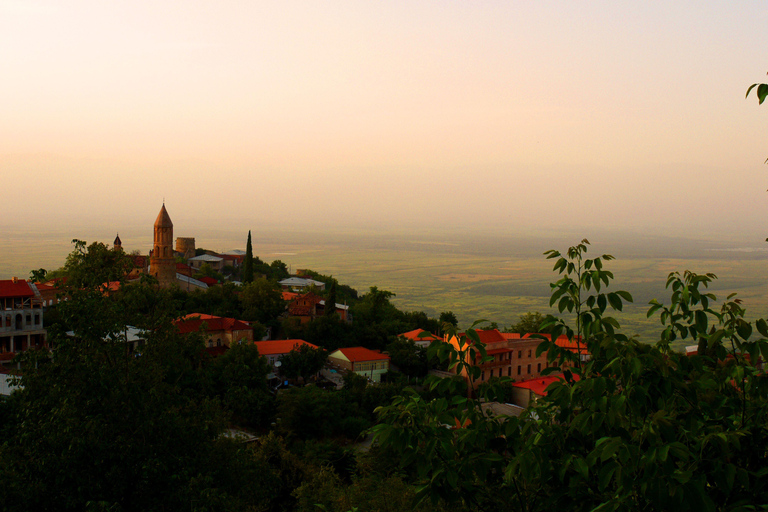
275	347
511	335
360	354
540	384
17	288
289	295
564	342
193	322
415	335
163	219
489	336
111	286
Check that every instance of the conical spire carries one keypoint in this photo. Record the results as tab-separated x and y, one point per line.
163	219
117	242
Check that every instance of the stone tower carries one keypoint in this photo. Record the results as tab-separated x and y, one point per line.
162	265
186	246
118	245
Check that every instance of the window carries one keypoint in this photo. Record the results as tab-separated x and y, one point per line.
539	368
519	354
529	352
529	368
509	371
482	375
491	373
519	370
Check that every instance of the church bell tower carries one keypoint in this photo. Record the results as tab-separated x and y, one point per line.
162	264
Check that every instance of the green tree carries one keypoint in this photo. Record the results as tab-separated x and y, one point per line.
635	427
302	362
248	261
262	300
95	427
240	380
38	276
448	317
530	322
330	300
408	357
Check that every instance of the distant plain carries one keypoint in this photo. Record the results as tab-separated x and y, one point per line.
491	275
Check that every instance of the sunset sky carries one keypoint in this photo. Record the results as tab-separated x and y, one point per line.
399	113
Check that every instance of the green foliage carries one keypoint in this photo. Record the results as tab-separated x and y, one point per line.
312	413
761	93
302	362
330	300
262	300
633	427
530	322
38	276
448	317
248	261
408	357
206	270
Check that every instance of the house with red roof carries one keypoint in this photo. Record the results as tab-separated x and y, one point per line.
528	391
306	307
218	331
362	361
511	355
420	337
21	319
576	345
273	350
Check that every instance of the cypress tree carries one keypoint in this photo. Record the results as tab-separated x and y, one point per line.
330	300
248	262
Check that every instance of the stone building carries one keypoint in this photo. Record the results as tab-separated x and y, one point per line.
185	247
21	319
161	263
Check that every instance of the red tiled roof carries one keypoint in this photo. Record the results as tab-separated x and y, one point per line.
289	295
210	281
564	342
275	347
299	310
489	336
193	322
414	335
540	384
360	354
511	335
19	288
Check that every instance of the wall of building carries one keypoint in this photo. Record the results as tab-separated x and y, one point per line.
186	246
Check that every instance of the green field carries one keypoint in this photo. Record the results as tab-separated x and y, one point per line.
497	277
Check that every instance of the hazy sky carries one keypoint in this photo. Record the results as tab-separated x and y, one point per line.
363	113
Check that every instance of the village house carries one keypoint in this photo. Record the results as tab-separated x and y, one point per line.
305	308
420	337
272	350
298	284
218	331
362	361
21	319
512	356
215	262
527	392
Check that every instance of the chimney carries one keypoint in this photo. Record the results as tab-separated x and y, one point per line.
15	279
